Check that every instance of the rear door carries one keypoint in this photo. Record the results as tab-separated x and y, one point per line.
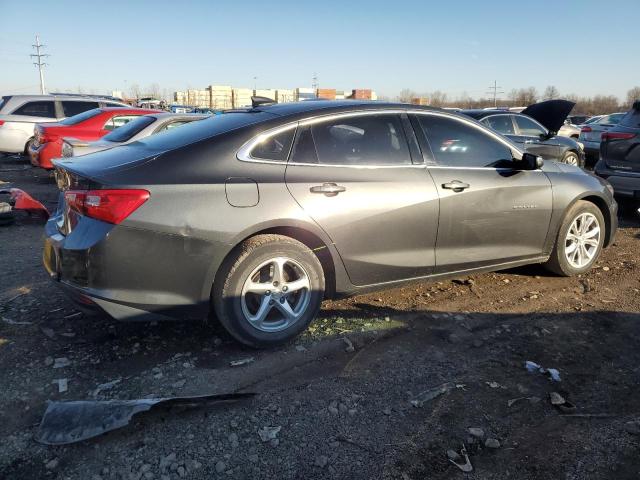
530	136
620	148
490	212
354	175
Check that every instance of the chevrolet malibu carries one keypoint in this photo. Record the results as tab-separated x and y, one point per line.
258	215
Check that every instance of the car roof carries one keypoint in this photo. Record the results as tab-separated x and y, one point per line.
477	114
332	106
57	96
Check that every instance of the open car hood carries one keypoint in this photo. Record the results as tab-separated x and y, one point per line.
551	113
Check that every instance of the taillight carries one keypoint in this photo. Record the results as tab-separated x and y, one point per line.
111	206
616	136
586	129
1	122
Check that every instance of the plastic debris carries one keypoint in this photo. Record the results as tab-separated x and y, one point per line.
61	362
553	373
243	361
433	393
269	433
63	384
561	403
466	466
75	421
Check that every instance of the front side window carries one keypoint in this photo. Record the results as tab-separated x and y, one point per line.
276	147
457	144
37	109
118	121
361	140
500	123
528	127
71	108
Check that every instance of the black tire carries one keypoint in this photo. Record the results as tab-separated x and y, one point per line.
558	262
27	145
572	158
227	290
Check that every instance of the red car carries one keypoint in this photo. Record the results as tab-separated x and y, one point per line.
90	125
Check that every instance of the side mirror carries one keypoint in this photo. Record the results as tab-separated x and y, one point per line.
531	161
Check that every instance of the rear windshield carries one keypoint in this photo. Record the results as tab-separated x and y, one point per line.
631	119
196	131
81	117
3	101
128	130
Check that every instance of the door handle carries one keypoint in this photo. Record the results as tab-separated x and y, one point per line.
329	189
456	185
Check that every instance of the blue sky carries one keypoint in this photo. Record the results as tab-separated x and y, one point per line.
583	47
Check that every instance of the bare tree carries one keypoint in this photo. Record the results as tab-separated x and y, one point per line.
134	91
406	95
550	93
438	99
632	96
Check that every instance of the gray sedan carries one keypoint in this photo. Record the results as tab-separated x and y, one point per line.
260	214
590	133
135	130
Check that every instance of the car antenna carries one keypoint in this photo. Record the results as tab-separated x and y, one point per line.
257	101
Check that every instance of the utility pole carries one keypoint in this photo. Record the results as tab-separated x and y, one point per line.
495	93
314	83
40	63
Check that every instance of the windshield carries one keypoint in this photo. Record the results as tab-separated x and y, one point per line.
127	131
81	117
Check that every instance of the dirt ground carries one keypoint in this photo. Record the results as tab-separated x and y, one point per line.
344	412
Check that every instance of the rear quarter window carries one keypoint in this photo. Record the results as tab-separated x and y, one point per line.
73	107
43	108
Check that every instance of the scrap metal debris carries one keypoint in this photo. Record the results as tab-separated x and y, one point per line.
466	466
269	433
561	403
14	322
552	373
21	200
63	384
70	422
243	361
434	393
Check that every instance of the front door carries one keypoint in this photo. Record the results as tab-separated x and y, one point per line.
354	176
490	212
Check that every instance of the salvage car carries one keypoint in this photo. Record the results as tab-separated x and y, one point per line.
90	125
260	214
137	129
591	133
20	113
620	156
535	130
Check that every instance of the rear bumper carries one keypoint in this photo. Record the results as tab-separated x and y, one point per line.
41	155
625	184
128	273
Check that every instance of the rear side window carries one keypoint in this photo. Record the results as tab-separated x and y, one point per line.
458	144
81	117
119	121
528	127
631	119
500	123
37	109
612	119
361	140
71	108
132	128
275	147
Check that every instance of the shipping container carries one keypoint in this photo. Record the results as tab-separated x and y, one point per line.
327	93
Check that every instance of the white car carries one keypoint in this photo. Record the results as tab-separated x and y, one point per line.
20	113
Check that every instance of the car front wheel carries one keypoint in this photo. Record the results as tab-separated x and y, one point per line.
571	158
579	242
269	291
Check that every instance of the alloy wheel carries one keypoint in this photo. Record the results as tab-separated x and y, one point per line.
571	159
583	240
276	294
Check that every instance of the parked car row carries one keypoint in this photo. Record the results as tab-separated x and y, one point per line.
259	214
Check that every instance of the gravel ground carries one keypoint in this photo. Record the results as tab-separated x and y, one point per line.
351	396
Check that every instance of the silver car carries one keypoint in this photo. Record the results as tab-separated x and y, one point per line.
590	134
20	113
136	129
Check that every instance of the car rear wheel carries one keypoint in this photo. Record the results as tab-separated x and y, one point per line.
571	158
27	145
579	242
269	290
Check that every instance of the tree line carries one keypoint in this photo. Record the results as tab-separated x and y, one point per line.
521	97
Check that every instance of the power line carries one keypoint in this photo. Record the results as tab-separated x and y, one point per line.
39	63
495	93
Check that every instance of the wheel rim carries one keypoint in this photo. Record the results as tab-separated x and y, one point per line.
583	240
276	294
571	160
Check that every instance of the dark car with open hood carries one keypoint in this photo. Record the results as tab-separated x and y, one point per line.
260	214
620	156
535	130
